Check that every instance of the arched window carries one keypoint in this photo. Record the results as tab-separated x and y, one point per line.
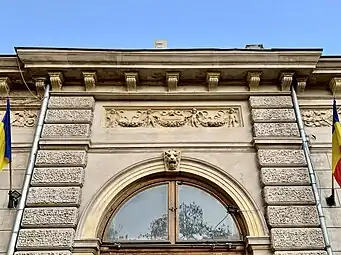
173	212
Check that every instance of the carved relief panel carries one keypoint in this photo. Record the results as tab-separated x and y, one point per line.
318	117
173	118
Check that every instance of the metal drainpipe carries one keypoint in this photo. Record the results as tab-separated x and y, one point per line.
311	171
29	170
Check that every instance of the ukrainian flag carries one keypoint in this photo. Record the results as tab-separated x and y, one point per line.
336	146
5	138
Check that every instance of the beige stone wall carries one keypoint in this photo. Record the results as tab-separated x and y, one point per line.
317	117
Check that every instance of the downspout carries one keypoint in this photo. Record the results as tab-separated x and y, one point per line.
29	170
311	171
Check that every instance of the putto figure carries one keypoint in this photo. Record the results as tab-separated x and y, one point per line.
172	159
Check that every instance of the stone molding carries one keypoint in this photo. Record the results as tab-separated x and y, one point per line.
268	102
69	116
300	252
284	176
293	216
273	115
71	176
71	102
297	239
61	158
281	157
54	196
288	195
50	217
45	239
55	252
66	130
276	130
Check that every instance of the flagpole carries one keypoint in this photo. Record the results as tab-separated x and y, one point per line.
10	199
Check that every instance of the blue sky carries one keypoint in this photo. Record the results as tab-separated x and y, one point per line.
184	23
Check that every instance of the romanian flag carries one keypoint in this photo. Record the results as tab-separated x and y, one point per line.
336	146
5	138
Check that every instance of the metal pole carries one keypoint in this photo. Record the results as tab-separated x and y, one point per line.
29	170
311	172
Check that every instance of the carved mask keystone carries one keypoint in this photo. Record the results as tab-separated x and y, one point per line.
172	159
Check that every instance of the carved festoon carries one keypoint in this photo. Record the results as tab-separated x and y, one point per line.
335	84
57	80
212	80
172	81
318	117
131	81
172	159
4	86
228	117
253	79
301	84
24	118
286	80
90	79
40	86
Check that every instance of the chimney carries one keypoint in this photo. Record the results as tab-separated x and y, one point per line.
160	44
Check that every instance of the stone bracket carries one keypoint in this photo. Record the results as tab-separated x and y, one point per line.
301	83
212	80
335	84
131	81
4	86
253	79
172	81
40	86
90	79
57	80
286	80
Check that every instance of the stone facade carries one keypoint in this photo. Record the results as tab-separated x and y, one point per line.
112	122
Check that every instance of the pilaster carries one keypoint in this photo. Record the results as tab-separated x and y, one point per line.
52	207
290	205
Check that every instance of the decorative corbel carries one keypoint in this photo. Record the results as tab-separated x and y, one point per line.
4	86
40	86
57	80
90	79
171	159
131	81
301	83
335	84
212	80
172	81
286	80
253	80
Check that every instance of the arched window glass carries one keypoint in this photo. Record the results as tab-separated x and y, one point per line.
172	212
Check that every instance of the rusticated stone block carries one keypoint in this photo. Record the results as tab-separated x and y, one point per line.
50	217
69	116
288	195
45	239
300	253
58	176
43	253
273	115
54	196
66	130
297	238
66	102
276	129
279	157
285	176
61	158
292	216
271	102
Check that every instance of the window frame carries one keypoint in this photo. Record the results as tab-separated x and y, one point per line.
172	242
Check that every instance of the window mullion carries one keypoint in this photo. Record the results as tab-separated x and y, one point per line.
172	212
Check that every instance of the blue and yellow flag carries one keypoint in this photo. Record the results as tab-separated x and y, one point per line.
336	146
5	138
